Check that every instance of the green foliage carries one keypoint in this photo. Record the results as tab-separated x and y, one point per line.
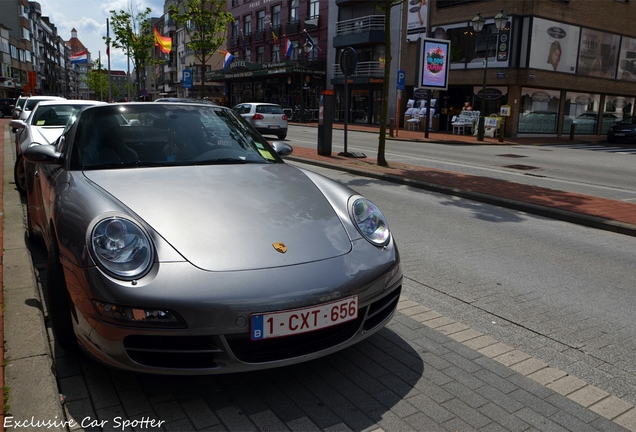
97	81
132	33
205	22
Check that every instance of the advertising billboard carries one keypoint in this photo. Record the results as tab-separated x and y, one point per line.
554	46
434	64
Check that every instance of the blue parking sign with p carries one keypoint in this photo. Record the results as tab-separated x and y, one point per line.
186	78
401	78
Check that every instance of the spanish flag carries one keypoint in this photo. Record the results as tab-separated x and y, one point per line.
163	42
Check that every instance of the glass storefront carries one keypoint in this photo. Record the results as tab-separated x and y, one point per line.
581	109
539	110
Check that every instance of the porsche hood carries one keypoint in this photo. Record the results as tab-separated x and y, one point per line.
232	217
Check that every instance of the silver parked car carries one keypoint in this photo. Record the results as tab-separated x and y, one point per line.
31	103
267	118
43	126
179	242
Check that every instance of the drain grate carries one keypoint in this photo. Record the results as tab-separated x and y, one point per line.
511	156
522	167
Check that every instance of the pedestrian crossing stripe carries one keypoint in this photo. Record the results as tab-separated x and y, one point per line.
606	149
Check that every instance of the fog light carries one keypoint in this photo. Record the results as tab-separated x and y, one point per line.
143	317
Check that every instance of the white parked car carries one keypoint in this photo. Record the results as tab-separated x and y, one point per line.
45	123
267	118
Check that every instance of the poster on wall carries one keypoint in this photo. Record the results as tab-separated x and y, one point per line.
627	60
554	46
598	54
434	64
417	19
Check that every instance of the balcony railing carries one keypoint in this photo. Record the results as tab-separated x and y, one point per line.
360	25
363	69
292	27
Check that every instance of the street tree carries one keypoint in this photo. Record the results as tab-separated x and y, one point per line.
205	23
97	81
132	35
385	6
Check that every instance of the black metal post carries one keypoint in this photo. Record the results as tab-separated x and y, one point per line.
480	129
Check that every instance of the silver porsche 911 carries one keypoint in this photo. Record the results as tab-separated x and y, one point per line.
179	242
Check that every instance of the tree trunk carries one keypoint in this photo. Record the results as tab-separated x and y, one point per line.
385	87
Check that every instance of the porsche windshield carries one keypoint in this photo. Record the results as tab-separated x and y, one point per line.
163	134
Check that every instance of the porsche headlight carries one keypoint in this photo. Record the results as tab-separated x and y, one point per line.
370	221
121	248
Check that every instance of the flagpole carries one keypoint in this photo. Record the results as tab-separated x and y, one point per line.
101	86
110	94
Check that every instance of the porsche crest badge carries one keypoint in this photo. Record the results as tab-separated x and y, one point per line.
280	247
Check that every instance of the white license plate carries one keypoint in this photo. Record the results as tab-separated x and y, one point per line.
619	134
273	126
297	321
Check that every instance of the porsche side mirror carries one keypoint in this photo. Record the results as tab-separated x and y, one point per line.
17	124
39	153
282	149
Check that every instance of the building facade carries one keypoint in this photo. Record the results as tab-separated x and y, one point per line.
17	75
558	64
359	25
279	51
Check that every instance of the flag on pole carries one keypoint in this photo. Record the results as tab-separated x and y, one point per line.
274	35
80	57
289	47
163	42
310	40
228	58
107	39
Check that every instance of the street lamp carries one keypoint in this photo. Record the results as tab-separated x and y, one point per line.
501	19
302	53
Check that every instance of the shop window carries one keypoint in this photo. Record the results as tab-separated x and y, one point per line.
581	110
538	110
619	105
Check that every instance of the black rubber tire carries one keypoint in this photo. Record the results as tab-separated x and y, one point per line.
19	175
282	136
59	304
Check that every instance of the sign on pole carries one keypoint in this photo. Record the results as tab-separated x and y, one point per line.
186	79
401	78
434	64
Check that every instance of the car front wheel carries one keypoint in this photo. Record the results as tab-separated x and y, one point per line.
59	304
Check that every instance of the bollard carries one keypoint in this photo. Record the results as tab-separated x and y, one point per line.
572	127
391	127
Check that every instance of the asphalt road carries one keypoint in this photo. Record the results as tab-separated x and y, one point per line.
564	293
605	174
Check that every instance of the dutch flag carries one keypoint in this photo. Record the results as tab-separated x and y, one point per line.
80	57
228	59
289	48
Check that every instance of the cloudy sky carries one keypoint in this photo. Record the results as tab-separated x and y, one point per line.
88	17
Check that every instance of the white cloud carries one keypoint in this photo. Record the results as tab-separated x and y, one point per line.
88	17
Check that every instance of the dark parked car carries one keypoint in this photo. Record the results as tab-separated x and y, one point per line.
625	130
180	242
6	107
